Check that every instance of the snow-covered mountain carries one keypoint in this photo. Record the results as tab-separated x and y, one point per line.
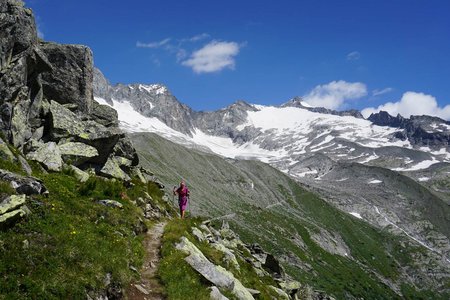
283	135
352	162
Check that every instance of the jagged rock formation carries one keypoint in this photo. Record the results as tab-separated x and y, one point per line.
419	130
298	102
47	108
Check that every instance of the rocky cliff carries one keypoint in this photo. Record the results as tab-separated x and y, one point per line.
419	130
47	108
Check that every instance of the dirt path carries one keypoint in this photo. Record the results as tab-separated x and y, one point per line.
148	287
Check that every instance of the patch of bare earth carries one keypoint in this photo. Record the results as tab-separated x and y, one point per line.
149	287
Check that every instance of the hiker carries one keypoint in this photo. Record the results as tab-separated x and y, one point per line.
183	197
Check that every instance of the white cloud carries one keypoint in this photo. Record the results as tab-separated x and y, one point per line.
378	92
213	57
157	44
412	103
181	54
355	55
196	38
334	94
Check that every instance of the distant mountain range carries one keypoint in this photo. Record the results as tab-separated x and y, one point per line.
281	135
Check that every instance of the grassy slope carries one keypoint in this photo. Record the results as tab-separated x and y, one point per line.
69	242
221	187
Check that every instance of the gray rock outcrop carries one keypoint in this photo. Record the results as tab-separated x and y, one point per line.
71	78
215	274
12	209
23	184
46	99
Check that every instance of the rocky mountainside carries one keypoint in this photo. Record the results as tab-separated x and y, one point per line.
419	130
386	245
46	102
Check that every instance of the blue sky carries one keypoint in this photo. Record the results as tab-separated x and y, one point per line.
339	54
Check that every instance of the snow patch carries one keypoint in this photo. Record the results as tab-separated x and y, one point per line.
355	214
101	101
420	166
423	179
153	88
303	174
374	181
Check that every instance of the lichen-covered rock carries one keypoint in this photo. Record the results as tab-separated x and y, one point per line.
112	168
216	294
66	124
124	148
11	217
77	153
229	256
49	155
215	274
17	35
24	165
11	203
104	114
198	234
70	81
5	153
20	128
23	185
18	29
136	172
79	174
290	286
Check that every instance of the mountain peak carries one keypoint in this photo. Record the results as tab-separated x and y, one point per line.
157	89
296	102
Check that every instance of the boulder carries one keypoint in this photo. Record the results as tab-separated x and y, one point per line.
11	203
216	294
229	256
17	36
290	286
25	165
217	275
79	174
23	185
20	128
136	172
8	219
104	114
77	153
49	155
112	168
70	81
110	203
198	234
66	124
124	148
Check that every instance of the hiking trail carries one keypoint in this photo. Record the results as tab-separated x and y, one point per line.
148	287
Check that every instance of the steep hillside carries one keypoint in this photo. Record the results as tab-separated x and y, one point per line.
73	203
317	244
